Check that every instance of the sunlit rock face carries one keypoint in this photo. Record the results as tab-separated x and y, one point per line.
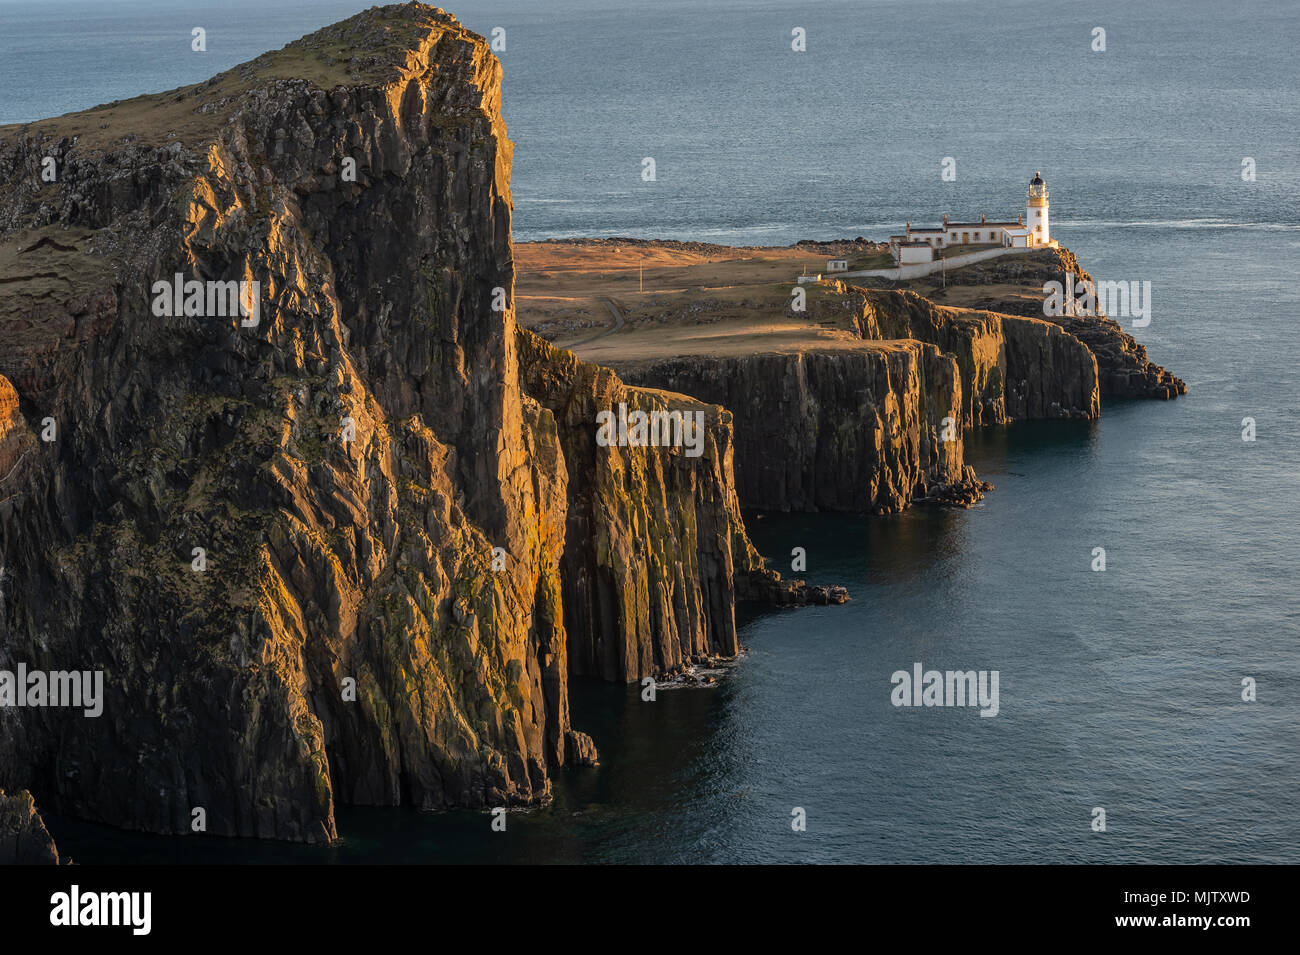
323	550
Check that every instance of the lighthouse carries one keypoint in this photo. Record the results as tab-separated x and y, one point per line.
1036	211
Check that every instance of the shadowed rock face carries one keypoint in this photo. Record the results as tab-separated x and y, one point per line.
354	467
879	427
1124	369
1011	368
24	839
656	552
848	430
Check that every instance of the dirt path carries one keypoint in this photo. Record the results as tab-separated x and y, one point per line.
618	323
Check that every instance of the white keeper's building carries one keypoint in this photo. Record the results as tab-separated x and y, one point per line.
1029	231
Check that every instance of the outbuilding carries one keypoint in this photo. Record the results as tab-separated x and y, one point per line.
910	253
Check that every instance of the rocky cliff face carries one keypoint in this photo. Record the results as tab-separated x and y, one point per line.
1124	369
850	429
1011	368
24	839
877	427
339	553
655	548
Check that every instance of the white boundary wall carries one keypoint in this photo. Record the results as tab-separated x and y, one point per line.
926	268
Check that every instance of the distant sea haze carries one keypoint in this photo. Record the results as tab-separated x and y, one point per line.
1119	689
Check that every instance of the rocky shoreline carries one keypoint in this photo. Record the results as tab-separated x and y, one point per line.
352	552
1125	370
879	427
857	398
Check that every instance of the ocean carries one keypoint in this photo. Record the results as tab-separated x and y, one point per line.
1119	690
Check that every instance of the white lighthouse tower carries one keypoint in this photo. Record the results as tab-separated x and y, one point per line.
1036	211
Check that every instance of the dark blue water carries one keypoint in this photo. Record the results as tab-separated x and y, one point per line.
1118	689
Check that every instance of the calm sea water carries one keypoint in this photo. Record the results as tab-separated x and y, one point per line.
1118	689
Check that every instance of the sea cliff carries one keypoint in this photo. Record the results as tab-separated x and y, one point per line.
1014	285
347	548
878	426
279	463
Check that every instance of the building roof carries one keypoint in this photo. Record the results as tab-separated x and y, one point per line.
969	225
1018	232
951	226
